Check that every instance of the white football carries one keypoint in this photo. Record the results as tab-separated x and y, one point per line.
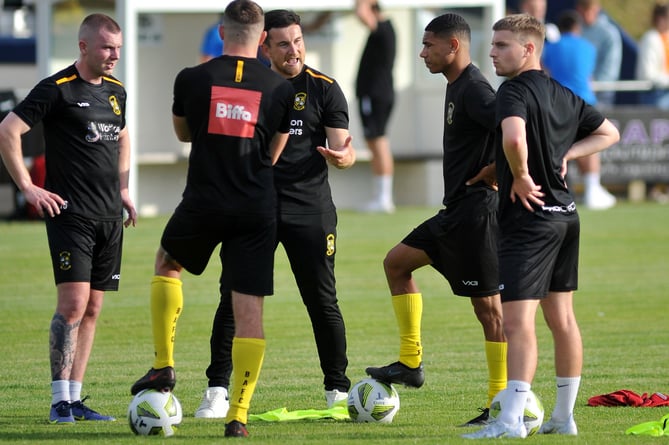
371	400
533	415
154	412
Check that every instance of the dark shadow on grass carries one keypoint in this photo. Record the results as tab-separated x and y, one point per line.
59	434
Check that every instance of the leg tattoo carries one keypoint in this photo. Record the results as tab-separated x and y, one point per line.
62	346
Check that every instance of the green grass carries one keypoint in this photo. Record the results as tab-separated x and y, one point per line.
621	307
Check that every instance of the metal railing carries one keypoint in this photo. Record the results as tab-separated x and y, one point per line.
622	85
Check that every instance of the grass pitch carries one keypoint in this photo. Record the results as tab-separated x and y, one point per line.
621	307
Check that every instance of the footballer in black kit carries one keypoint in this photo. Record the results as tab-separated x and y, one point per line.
545	167
233	106
541	126
306	227
301	174
466	229
306	214
234	112
81	110
82	123
460	241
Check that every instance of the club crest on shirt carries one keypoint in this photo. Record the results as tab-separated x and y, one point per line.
330	243
113	101
300	101
449	113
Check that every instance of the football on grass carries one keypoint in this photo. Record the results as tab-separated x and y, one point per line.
373	401
533	415
154	413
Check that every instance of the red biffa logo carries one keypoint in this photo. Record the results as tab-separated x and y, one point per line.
233	112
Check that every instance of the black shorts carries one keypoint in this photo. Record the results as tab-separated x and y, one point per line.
310	244
538	256
247	246
463	248
374	114
85	250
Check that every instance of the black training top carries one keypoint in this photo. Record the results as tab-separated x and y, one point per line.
469	124
82	122
301	174
233	106
554	118
375	73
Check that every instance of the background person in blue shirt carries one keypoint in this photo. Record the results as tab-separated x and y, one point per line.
212	44
571	59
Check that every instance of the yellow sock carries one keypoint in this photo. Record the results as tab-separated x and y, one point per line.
247	358
167	302
408	312
495	353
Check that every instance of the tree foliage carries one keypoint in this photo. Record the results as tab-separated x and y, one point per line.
634	17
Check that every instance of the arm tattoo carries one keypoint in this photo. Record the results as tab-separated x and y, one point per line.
62	346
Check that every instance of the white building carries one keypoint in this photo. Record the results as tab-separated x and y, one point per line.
161	37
